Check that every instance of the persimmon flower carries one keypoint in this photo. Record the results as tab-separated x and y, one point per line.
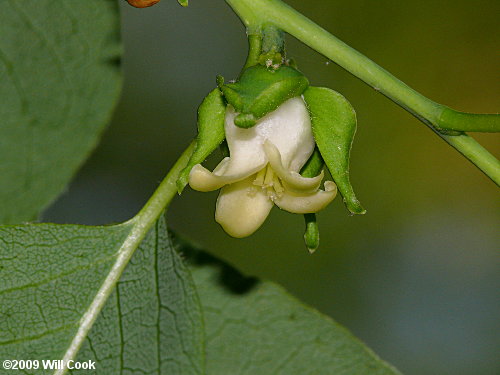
263	169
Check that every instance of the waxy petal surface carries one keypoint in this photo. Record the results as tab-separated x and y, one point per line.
242	208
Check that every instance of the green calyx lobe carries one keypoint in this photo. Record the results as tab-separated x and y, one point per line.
211	114
261	90
334	124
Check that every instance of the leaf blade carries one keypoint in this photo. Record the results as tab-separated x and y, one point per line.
59	66
159	332
145	304
256	327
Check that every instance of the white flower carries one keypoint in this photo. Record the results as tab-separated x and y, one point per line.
263	169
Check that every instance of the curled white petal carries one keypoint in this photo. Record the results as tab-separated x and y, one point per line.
242	208
202	179
308	203
293	181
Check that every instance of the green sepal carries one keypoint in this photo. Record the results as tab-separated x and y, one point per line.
184	3
261	90
211	115
233	97
334	125
245	120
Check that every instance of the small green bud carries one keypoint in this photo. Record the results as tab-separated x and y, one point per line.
312	168
220	80
311	235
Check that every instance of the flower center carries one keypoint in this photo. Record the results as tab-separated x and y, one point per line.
268	180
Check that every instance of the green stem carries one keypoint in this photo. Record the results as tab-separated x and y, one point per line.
445	121
254	50
161	198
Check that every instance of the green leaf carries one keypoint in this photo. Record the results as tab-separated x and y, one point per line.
211	115
152	320
60	74
255	327
334	125
51	274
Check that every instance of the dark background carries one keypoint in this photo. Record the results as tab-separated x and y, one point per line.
417	278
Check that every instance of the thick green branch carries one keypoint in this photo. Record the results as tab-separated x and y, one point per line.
446	122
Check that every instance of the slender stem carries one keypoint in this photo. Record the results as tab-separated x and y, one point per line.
161	198
254	50
139	227
294	23
444	121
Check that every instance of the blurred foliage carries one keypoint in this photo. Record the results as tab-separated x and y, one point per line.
417	276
